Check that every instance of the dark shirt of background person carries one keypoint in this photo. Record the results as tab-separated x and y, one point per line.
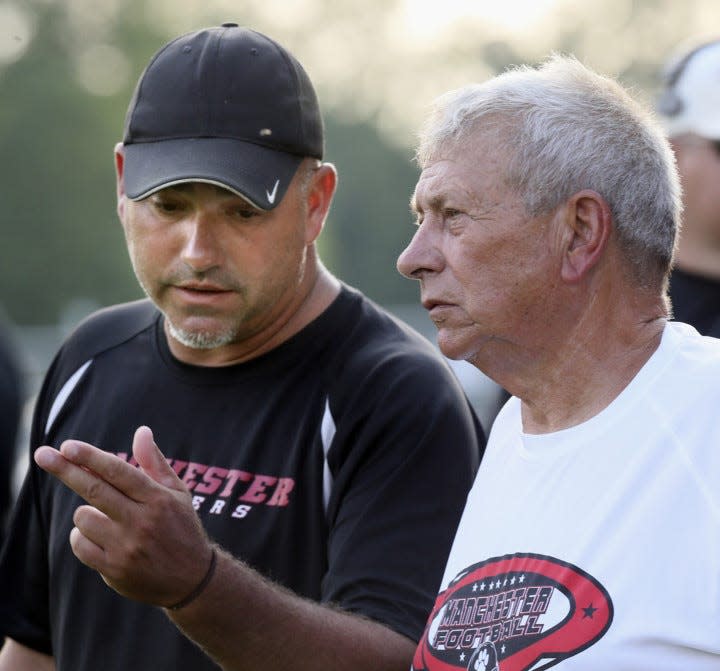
11	398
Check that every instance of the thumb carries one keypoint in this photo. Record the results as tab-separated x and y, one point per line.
152	461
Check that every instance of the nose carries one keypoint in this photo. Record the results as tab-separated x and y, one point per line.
422	255
201	249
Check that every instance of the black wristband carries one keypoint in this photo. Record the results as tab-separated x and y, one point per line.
198	590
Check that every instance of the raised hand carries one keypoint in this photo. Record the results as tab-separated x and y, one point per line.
139	531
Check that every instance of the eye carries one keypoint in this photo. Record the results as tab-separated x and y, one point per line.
450	213
243	211
165	204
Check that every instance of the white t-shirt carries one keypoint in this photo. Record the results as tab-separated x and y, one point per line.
596	548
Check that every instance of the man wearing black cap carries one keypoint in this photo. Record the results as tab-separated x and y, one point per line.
317	453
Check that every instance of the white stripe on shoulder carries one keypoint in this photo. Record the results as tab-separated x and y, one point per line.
327	433
64	394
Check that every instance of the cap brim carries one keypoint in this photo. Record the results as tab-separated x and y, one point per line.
256	173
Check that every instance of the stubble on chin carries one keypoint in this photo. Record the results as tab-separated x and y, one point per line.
201	340
197	340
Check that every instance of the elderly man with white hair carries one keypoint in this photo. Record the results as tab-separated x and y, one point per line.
547	213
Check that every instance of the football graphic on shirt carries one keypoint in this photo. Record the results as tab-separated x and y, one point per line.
514	613
484	658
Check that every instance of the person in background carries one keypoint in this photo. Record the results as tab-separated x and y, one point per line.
316	451
688	106
11	399
547	211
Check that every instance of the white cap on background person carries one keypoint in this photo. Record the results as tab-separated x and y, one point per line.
690	99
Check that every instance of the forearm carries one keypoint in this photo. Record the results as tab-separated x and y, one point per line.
245	622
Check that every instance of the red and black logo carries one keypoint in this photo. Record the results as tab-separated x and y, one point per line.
514	613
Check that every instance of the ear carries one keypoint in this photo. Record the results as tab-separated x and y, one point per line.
588	223
319	196
119	178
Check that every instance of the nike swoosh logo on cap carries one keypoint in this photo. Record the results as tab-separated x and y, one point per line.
271	194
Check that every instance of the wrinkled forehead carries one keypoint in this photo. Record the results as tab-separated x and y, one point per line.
460	174
436	182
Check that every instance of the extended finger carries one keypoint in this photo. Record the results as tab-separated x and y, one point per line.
152	461
112	469
86	483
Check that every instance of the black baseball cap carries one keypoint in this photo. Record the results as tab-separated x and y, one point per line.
226	106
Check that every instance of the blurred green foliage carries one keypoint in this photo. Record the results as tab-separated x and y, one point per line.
59	236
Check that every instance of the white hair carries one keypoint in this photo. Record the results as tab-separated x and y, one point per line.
567	128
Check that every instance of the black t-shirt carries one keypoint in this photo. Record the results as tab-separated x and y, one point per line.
336	464
696	301
11	397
